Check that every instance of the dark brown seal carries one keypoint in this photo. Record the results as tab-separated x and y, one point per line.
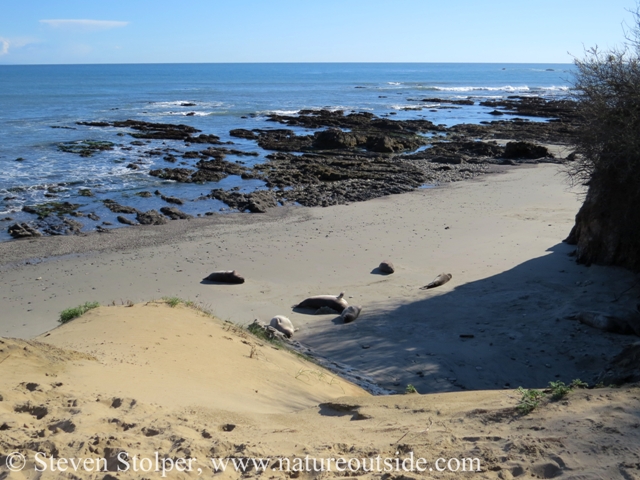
335	303
386	267
350	313
225	276
439	280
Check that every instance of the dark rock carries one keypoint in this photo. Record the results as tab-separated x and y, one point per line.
144	194
202	138
284	140
450	160
44	210
517	129
85	148
175	200
220	152
125	220
23	230
462	101
334	138
152	217
59	226
261	201
178	174
536	107
175	214
367	131
94	124
525	150
93	216
392	144
162	131
256	202
215	170
115	207
242	133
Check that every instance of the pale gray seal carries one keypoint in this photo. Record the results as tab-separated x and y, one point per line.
336	303
439	280
283	324
386	267
351	313
625	325
225	276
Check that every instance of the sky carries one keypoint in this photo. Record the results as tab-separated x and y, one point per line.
197	31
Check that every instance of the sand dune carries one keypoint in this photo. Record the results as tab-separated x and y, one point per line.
153	379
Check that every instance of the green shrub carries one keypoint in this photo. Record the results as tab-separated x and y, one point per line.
558	390
529	400
410	389
172	301
607	87
71	313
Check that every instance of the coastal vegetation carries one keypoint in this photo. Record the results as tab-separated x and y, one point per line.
530	399
607	84
75	312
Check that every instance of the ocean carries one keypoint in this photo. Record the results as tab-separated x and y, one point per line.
40	105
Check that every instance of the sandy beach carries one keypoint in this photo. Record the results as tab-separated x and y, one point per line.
500	323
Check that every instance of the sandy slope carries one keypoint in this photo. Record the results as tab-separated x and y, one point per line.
136	385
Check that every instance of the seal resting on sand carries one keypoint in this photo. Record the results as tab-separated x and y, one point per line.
351	313
439	280
335	303
225	276
386	267
282	324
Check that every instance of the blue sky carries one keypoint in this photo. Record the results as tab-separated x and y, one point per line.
162	31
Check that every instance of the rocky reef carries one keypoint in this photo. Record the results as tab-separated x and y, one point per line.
319	157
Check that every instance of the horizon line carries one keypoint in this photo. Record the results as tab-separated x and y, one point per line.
278	63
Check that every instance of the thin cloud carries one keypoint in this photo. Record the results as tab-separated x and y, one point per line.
4	46
84	25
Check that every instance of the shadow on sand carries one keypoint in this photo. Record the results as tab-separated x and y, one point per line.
517	319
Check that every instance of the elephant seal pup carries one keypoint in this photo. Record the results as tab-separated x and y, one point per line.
439	280
225	276
282	324
386	267
336	303
351	313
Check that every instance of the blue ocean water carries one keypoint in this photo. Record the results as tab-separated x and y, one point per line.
40	105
